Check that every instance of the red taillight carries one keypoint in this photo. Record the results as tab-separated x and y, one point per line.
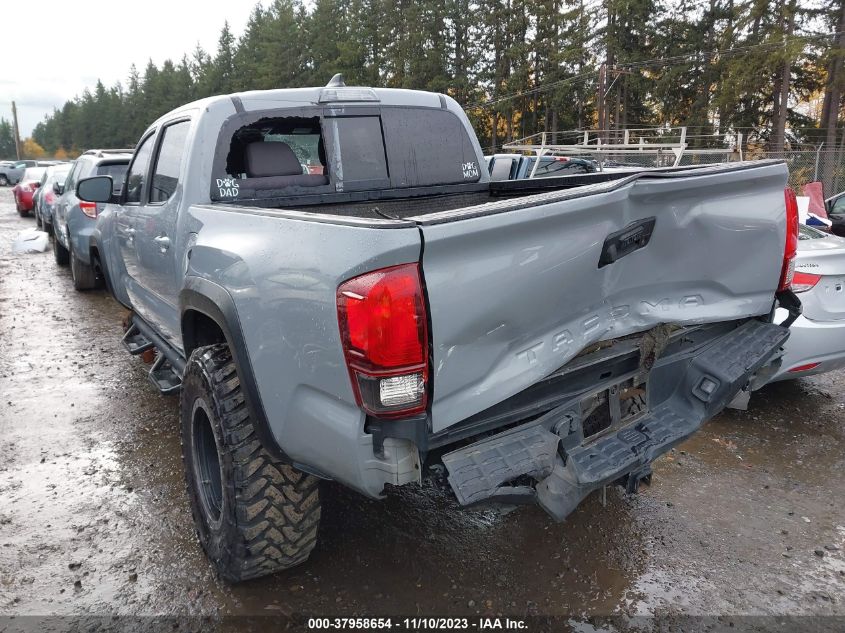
88	208
801	368
802	282
791	246
384	332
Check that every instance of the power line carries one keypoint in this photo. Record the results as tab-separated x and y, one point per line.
543	88
670	61
663	61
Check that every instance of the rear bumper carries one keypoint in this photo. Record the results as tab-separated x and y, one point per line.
685	389
23	201
811	342
79	230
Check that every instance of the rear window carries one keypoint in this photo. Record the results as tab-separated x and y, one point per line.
33	173
117	171
358	147
553	167
59	175
301	135
427	146
322	150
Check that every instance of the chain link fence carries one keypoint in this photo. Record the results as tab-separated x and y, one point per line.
827	166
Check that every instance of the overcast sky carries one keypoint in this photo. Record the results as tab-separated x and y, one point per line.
54	49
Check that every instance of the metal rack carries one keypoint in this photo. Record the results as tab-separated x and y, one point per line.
666	144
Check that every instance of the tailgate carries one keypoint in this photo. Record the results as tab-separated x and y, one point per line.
515	288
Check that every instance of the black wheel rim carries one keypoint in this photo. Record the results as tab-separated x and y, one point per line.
207	465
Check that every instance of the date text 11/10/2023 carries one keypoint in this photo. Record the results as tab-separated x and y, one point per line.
418	624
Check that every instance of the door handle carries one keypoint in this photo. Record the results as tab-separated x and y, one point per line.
163	242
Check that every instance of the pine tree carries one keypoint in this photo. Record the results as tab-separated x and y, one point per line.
7	139
221	71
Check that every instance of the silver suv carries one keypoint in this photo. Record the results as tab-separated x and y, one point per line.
73	219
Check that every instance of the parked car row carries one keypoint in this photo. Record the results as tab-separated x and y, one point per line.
11	172
48	194
73	219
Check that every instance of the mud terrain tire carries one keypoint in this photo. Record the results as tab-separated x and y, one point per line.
254	514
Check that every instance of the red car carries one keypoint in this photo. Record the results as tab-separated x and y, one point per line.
26	187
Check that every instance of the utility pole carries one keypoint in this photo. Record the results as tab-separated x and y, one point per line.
17	133
600	95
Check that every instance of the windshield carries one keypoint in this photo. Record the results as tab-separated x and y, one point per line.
33	173
58	174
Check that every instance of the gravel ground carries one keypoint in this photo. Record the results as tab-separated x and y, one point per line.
745	519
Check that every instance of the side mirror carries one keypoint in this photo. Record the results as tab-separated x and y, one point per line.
58	188
95	189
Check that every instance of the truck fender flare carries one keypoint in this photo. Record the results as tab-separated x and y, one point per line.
212	300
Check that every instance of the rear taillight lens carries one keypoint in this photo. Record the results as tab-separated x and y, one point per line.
800	368
89	209
802	282
383	327
791	246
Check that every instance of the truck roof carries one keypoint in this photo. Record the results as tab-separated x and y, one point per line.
295	97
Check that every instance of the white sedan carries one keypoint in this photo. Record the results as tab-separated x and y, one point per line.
817	340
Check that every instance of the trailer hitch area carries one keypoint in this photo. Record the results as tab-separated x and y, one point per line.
632	481
567	463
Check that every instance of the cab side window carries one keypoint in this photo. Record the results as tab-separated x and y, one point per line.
169	162
137	173
73	176
838	206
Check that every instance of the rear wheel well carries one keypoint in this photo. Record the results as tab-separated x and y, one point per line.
198	330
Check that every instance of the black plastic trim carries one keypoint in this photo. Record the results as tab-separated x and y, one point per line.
414	429
213	301
789	301
626	241
177	360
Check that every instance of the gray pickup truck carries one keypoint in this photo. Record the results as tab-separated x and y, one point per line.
338	291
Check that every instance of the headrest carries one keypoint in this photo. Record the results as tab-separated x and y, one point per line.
271	159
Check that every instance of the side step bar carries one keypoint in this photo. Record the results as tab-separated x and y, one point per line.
135	342
552	451
166	371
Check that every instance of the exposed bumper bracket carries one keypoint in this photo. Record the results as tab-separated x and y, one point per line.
551	450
